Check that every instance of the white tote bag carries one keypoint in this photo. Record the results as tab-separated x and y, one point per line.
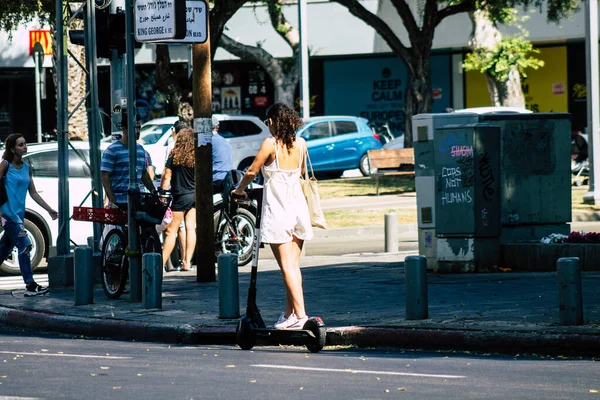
311	193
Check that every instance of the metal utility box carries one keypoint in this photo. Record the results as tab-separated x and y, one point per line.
534	184
424	127
535	174
467	197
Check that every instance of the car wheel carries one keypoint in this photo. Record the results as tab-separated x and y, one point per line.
11	264
365	166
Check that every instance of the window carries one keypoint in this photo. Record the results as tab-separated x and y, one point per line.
77	166
237	128
46	164
319	130
344	127
151	134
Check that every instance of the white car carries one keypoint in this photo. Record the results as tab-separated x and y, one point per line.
245	134
42	230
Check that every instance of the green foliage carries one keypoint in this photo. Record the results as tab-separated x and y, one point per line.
500	13
14	13
513	51
499	10
275	13
556	9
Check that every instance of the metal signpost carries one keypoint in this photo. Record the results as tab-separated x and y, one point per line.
38	59
593	98
304	90
155	22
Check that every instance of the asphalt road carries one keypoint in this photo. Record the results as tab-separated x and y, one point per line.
54	367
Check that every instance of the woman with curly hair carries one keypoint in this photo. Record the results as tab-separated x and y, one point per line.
285	222
180	177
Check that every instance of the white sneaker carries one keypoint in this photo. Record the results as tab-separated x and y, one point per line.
286	321
293	323
281	319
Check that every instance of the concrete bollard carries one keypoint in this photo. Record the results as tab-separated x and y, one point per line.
90	242
83	276
415	272
152	276
229	291
570	303
391	233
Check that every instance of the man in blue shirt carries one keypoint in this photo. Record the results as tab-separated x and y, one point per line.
115	167
222	158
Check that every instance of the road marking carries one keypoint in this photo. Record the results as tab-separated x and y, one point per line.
66	355
359	371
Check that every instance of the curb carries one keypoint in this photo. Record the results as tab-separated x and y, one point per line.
115	328
367	230
587	345
451	339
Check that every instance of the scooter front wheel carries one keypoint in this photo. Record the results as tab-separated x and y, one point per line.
245	336
317	327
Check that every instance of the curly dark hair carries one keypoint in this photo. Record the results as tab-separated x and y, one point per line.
9	144
286	123
183	152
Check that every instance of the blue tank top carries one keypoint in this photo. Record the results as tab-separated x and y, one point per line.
17	184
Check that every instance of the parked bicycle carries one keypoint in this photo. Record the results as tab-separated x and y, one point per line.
234	224
235	227
149	211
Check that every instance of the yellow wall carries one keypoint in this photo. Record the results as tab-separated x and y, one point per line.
538	87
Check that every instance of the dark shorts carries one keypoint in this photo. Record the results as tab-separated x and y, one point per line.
183	202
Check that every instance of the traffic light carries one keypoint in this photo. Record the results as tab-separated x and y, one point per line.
116	33
110	33
102	29
77	36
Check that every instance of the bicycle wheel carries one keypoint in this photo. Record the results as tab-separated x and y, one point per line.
238	237
114	264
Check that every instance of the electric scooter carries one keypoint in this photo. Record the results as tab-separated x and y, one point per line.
252	329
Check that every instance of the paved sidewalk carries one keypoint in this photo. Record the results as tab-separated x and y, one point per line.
360	298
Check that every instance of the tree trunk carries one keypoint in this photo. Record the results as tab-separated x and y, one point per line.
285	82
221	12
418	98
163	77
284	92
485	35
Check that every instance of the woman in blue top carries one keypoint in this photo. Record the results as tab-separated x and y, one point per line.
18	181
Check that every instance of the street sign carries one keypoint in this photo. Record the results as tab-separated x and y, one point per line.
159	20
196	17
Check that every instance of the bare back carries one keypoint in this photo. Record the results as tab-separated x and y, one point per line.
288	159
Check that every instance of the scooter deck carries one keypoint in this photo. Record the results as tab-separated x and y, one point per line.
283	336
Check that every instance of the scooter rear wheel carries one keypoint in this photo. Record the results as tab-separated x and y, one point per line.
320	331
245	336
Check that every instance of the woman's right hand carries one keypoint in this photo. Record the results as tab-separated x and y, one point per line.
238	194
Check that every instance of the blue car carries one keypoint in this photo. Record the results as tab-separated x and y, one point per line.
336	144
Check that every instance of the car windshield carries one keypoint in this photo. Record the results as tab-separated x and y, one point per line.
150	134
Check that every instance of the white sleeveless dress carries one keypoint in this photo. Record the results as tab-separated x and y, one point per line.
284	209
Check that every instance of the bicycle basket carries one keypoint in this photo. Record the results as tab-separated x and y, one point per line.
113	216
155	205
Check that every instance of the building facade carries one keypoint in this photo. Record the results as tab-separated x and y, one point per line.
352	70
